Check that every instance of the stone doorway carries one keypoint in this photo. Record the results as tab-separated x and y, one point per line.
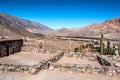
7	49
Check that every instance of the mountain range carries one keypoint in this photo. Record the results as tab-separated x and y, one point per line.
11	25
13	21
110	29
21	27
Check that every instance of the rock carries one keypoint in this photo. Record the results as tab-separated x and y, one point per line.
1	67
103	61
112	71
11	68
32	70
24	68
51	67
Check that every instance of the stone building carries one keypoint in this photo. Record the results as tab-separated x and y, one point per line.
8	47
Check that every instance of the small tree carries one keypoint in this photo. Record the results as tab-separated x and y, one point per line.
76	49
40	45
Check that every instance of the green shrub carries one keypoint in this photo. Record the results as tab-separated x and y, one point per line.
40	45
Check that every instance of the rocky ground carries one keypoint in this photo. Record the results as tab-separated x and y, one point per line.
24	58
32	55
61	45
77	61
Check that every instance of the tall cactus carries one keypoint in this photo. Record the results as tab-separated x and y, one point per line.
101	45
119	48
108	47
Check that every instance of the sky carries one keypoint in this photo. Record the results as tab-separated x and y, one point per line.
58	14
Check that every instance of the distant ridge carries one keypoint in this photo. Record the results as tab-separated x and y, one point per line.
25	28
12	21
110	29
14	33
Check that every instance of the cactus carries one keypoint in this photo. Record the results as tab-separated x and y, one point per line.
101	45
108	47
119	48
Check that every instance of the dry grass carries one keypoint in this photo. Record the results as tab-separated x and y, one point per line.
62	45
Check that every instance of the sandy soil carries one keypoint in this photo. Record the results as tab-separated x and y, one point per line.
62	45
77	61
24	58
55	75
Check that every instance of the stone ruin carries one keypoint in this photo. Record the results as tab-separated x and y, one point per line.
9	47
105	67
44	64
105	70
12	46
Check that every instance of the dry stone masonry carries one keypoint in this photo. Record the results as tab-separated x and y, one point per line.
9	47
31	69
105	70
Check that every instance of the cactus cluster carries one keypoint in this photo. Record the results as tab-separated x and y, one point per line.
108	50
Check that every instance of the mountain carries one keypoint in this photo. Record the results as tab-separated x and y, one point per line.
6	33
60	32
110	29
21	27
14	33
12	21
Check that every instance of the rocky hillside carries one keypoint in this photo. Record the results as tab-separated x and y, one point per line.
12	21
14	33
114	22
110	29
6	33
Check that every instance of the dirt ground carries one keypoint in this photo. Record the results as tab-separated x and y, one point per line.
62	45
29	58
24	58
77	61
55	75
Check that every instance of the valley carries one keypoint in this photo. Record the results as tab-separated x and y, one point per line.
89	53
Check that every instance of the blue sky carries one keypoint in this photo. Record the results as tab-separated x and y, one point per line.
57	14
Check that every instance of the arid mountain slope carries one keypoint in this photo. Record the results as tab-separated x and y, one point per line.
61	32
110	29
8	20
4	32
14	33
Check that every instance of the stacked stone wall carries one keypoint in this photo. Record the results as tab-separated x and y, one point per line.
9	47
44	64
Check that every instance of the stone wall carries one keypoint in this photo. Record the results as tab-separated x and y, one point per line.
103	61
104	70
9	47
44	64
91	57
